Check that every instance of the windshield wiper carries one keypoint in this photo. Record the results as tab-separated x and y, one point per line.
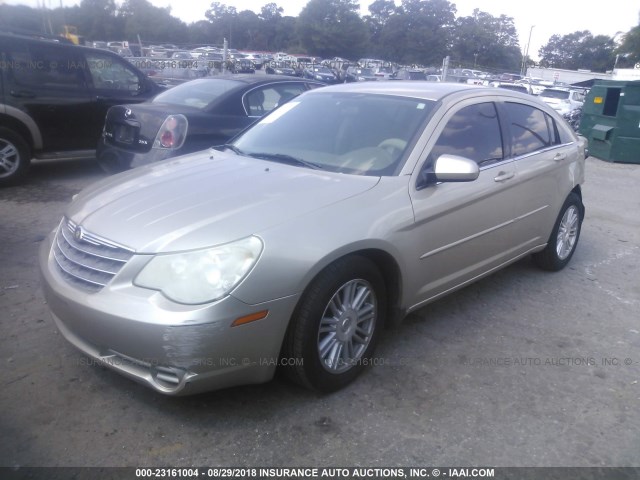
288	159
229	146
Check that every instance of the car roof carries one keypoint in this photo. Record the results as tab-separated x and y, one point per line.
415	89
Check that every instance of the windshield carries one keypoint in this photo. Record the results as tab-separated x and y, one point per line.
364	134
197	93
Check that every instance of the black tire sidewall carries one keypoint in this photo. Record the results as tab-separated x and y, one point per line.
306	322
24	156
548	258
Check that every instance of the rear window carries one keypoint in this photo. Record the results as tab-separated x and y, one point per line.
46	66
198	93
560	94
515	88
530	129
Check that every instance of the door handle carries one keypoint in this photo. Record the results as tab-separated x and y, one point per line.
503	176
22	94
559	157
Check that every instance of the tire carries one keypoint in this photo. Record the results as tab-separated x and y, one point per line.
15	157
112	163
564	236
336	325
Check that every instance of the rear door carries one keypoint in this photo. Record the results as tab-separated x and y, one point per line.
545	156
112	81
46	81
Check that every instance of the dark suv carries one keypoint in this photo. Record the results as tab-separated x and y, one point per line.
54	96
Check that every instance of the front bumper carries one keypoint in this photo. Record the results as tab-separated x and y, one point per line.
115	160
174	349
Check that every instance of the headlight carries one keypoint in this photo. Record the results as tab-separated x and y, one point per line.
201	276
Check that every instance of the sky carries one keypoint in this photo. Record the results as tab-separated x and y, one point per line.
547	17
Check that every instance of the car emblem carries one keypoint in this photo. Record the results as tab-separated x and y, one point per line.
78	234
127	112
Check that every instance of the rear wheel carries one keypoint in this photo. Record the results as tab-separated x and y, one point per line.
335	328
564	237
15	157
111	162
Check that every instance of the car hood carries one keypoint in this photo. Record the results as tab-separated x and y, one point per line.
205	199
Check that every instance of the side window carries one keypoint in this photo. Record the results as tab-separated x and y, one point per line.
47	66
473	132
260	101
110	73
529	129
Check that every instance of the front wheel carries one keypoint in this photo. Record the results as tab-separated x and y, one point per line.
335	327
15	157
564	236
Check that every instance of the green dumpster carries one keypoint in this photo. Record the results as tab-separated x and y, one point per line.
611	121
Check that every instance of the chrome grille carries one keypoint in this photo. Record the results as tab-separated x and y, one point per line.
87	261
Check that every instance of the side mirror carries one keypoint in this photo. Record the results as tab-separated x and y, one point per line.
449	168
452	168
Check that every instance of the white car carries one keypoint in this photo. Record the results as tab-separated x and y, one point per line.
562	100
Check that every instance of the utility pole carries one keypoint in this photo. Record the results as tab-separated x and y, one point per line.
523	69
445	67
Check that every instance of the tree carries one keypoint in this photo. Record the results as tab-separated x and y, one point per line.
331	28
223	22
579	50
151	23
419	32
271	18
97	19
286	37
486	42
380	13
628	52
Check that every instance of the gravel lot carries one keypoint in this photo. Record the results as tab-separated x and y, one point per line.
524	368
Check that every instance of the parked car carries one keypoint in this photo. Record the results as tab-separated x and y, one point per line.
99	44
54	97
191	116
563	100
168	73
280	68
408	74
320	73
182	55
383	72
297	242
516	87
257	59
359	74
242	65
124	52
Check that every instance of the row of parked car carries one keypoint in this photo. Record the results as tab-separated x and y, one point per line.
62	100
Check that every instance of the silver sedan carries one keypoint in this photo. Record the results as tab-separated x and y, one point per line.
292	246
